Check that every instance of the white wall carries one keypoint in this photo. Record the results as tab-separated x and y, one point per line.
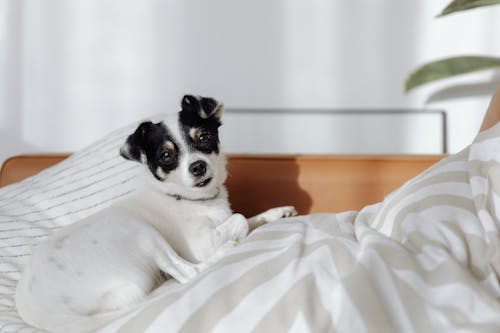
72	70
347	132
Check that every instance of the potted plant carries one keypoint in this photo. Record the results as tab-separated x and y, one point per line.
444	68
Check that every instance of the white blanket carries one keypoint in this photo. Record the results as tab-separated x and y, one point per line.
426	259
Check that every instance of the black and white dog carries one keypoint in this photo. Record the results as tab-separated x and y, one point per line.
90	272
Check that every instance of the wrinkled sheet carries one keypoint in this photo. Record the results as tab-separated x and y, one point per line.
426	259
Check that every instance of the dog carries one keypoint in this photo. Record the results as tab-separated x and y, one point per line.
96	269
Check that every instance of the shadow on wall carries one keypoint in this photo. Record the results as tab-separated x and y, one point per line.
483	88
315	184
256	185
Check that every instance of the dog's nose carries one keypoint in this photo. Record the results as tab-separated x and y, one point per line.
198	168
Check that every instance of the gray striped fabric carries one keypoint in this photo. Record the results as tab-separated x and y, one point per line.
425	259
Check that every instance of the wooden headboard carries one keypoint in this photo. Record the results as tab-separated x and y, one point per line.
310	183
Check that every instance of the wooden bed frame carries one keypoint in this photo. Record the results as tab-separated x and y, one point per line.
310	183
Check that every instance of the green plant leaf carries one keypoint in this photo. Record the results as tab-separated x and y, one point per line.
461	5
449	67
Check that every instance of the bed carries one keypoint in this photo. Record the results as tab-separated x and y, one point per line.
383	243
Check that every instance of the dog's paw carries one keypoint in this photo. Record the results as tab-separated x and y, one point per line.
277	213
183	271
235	228
241	231
288	211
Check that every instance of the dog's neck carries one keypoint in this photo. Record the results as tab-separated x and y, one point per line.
179	197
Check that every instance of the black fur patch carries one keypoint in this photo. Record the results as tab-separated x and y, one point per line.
203	115
149	139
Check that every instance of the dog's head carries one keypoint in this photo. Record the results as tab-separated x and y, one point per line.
183	151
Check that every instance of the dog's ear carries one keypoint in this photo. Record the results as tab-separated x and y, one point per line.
204	107
132	148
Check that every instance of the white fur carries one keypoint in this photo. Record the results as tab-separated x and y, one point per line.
90	272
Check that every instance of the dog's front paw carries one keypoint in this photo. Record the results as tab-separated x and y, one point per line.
234	229
271	215
277	213
287	211
180	270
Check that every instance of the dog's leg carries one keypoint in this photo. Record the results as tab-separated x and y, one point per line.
174	265
235	229
271	215
166	258
228	234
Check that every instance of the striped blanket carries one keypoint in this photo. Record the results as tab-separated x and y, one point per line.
426	259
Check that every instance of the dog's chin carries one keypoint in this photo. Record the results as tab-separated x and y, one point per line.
208	185
197	189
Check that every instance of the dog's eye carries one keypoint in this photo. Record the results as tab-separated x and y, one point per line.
166	155
204	137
